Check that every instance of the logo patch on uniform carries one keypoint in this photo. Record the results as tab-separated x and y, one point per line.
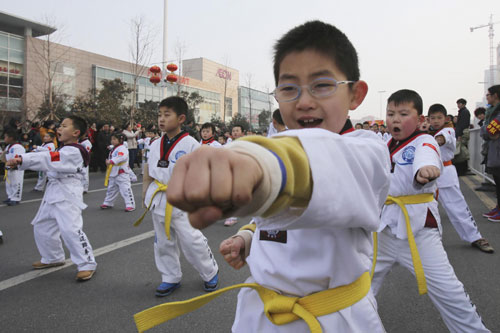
179	154
120	153
408	155
278	236
12	150
55	156
162	164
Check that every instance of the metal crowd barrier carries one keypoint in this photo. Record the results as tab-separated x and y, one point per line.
475	144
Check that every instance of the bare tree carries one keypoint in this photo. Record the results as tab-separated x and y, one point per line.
141	51
49	56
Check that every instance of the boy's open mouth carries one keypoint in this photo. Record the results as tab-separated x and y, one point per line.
396	129
310	122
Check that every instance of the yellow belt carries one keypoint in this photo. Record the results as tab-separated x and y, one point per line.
417	263
278	308
168	209
5	177
108	172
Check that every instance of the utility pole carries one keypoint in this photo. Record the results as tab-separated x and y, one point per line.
165	90
492	48
381	92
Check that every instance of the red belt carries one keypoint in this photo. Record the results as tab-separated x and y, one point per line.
447	163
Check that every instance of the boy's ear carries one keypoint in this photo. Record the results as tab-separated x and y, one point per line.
359	91
182	118
421	119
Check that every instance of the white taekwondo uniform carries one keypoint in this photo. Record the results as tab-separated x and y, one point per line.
444	289
88	146
15	176
191	241
42	176
211	142
450	195
119	178
60	214
328	244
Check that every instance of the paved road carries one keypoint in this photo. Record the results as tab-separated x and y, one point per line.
126	276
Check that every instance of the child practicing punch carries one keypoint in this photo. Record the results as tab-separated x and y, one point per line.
48	145
449	194
172	228
85	142
60	214
310	255
118	175
409	233
14	177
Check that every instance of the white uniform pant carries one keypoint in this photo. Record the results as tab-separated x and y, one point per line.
62	219
85	182
191	241
120	184
443	287
459	213
14	185
42	181
360	317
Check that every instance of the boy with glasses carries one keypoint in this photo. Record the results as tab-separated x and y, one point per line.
312	243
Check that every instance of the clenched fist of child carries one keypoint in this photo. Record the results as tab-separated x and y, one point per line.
211	182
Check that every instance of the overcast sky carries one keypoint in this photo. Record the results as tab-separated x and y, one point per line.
422	45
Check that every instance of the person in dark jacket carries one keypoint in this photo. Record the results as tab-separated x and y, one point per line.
462	124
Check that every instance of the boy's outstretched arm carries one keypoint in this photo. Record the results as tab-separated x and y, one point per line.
256	176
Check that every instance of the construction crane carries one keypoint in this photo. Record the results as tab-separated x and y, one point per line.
492	48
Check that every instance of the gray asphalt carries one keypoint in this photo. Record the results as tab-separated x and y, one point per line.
126	278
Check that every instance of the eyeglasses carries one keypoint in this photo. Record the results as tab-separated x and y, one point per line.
319	88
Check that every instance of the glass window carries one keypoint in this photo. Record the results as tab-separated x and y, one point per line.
4	41
16	56
101	72
3	91
15	80
15	92
3	103
16	43
4	54
3	78
14	104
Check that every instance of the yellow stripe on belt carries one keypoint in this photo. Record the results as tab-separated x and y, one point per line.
417	263
168	209
108	172
279	309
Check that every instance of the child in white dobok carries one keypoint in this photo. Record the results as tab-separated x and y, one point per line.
48	145
118	175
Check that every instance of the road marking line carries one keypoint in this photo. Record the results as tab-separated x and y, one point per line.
91	191
485	199
16	280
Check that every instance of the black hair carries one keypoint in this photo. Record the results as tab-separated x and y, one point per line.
208	125
240	126
495	90
462	101
11	133
366	122
479	111
119	136
79	124
323	38
176	103
277	117
407	96
437	108
360	124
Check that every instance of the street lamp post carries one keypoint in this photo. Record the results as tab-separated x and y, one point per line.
381	92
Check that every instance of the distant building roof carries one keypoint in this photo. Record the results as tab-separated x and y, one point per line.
17	25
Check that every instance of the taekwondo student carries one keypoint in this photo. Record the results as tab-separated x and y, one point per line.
48	145
85	142
13	177
60	214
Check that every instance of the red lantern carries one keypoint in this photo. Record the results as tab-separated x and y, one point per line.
155	79
172	78
155	69
172	67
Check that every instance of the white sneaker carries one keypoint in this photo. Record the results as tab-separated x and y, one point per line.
230	221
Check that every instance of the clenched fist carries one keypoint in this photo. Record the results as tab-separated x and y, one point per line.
210	182
427	174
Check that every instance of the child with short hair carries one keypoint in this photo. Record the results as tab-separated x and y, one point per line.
312	244
172	228
60	214
207	133
118	175
85	142
449	194
47	145
409	233
14	177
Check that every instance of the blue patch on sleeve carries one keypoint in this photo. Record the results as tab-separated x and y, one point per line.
283	170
